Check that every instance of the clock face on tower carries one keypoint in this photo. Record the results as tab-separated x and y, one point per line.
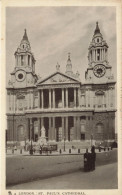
99	70
20	75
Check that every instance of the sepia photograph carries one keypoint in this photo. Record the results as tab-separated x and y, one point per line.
61	129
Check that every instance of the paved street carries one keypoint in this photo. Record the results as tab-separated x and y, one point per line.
66	171
104	177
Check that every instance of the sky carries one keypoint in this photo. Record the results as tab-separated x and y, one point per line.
53	32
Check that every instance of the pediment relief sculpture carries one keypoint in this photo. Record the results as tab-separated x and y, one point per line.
59	79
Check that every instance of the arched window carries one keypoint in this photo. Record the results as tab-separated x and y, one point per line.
99	131
100	96
20	133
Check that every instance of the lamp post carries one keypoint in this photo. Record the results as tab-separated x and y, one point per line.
64	143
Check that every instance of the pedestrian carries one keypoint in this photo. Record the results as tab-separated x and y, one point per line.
93	158
86	161
40	150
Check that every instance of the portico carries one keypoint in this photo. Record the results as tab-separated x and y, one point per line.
58	97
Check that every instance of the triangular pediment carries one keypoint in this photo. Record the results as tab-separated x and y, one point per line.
58	78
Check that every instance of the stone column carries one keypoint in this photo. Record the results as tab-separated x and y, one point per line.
113	97
78	128
75	128
108	98
82	100
62	97
107	101
30	125
53	132
53	98
49	135
14	101
42	99
93	55
75	97
38	127
39	99
79	98
17	104
66	129
66	97
100	54
19	61
27	95
91	98
9	104
104	53
49	98
31	100
63	133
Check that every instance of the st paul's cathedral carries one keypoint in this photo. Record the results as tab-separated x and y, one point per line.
65	107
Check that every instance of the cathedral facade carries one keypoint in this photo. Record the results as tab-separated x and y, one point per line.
68	109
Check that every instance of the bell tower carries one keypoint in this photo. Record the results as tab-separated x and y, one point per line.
23	56
24	70
98	49
98	66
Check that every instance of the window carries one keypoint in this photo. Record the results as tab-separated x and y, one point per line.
99	131
98	40
22	60
28	60
82	136
83	118
98	54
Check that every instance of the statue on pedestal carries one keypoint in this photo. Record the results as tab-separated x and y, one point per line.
42	140
42	131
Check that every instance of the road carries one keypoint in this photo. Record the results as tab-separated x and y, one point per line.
104	177
21	169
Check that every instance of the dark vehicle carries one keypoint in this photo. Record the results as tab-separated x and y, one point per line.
45	148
